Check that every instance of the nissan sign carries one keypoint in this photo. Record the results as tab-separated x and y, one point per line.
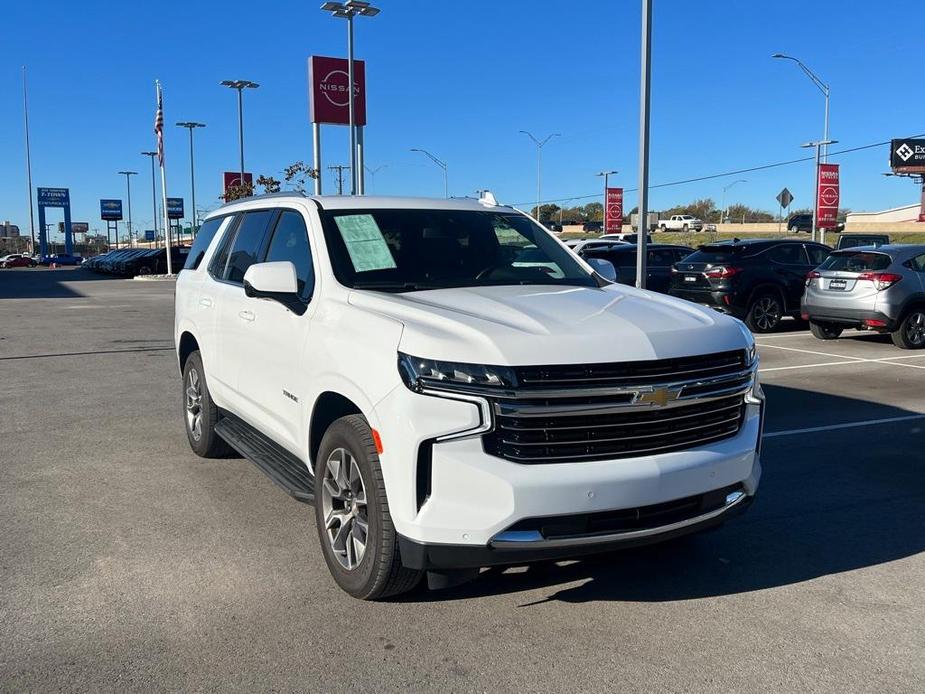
907	156
827	198
327	86
613	212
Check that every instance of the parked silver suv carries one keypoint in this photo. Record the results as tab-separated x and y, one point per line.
880	289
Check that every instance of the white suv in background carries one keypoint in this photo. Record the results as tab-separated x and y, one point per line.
452	388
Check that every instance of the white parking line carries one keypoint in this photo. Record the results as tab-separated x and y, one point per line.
853	360
809	351
848	425
806	366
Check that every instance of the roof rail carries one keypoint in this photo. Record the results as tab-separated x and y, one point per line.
263	196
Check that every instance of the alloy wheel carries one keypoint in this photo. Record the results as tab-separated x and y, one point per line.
915	328
194	404
767	313
343	506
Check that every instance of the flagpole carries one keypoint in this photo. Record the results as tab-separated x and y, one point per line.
160	107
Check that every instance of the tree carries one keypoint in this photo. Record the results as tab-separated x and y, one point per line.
298	172
704	209
548	212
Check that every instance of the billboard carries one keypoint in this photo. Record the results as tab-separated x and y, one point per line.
111	210
54	197
76	227
327	89
233	178
827	197
150	235
613	211
174	208
907	156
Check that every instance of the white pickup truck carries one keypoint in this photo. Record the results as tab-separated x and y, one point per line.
681	222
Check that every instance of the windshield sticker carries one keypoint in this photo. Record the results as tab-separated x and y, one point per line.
365	243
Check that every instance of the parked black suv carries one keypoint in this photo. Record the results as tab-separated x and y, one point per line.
660	258
757	280
804	222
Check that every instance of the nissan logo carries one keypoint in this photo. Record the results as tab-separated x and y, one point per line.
334	88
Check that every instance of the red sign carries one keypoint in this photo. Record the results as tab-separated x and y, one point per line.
827	197
233	178
613	211
327	85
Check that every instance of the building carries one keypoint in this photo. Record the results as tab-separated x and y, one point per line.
8	230
897	215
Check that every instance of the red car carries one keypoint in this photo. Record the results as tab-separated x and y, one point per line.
17	261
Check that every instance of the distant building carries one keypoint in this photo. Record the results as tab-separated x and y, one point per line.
9	230
907	213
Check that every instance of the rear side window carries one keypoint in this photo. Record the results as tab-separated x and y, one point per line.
917	263
247	245
817	255
661	257
857	262
203	238
789	254
711	255
290	242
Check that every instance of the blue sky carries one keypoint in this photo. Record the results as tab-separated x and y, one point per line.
461	79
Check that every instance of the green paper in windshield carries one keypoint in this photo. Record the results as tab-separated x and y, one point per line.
365	243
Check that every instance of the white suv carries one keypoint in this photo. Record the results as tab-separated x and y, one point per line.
452	388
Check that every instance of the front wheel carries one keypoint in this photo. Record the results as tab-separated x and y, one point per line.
358	539
824	331
765	313
911	331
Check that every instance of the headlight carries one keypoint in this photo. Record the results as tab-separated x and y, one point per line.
420	374
751	355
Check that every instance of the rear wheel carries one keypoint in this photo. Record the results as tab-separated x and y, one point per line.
825	331
199	412
358	539
765	313
911	331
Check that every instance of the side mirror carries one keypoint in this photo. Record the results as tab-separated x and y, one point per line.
275	281
603	267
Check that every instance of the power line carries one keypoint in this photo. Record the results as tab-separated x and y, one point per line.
720	175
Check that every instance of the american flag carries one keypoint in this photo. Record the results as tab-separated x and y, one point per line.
159	126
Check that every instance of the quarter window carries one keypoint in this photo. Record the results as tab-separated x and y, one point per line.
817	255
290	242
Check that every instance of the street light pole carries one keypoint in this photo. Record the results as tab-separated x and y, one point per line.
644	93
25	113
153	193
539	171
128	186
192	125
606	175
372	172
240	85
722	209
822	87
348	10
441	164
818	144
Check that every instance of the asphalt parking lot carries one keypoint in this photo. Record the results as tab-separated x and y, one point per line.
126	563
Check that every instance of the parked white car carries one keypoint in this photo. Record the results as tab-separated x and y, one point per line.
680	222
447	402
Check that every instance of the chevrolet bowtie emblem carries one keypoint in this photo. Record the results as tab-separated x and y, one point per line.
657	397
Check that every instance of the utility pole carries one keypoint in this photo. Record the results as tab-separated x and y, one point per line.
644	91
339	169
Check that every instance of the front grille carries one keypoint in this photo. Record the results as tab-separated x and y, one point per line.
632	372
612	411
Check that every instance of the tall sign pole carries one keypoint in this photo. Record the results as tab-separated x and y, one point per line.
644	91
25	113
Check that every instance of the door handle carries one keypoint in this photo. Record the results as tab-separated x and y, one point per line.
205	302
246	315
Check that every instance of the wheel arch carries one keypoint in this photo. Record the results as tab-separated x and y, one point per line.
328	408
185	347
767	287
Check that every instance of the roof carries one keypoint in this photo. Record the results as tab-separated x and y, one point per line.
897	248
371	202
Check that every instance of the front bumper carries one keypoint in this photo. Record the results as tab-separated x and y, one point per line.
511	548
448	496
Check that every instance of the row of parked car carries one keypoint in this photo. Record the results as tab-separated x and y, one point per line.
878	286
130	262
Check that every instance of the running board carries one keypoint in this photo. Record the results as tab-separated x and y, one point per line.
286	470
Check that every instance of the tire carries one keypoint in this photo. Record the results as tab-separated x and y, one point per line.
825	331
199	412
346	468
144	270
793	230
911	331
765	313
663	227
685	228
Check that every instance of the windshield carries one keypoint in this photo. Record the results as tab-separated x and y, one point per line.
856	262
407	249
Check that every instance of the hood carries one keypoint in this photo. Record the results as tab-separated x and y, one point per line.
530	325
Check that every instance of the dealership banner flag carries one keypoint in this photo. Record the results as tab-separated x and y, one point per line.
827	196
613	211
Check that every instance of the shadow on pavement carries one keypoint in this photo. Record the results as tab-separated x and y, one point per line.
43	283
829	502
